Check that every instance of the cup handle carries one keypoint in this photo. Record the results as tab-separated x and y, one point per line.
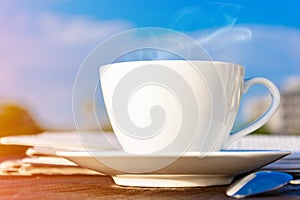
265	116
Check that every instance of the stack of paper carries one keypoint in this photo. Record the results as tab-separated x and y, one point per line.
41	153
43	160
268	142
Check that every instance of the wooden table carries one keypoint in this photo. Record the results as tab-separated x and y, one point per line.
103	187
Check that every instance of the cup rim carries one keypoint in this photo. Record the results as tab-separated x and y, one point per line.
152	61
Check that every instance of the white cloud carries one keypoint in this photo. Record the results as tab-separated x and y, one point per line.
40	53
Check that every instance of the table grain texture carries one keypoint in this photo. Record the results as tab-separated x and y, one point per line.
103	187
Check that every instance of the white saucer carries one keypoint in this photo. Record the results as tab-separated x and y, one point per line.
188	170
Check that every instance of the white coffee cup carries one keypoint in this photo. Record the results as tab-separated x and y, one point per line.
178	105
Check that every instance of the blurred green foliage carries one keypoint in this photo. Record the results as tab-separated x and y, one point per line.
15	120
262	131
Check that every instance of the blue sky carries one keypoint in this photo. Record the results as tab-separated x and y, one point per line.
45	42
164	13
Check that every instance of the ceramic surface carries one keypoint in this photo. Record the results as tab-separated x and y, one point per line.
189	170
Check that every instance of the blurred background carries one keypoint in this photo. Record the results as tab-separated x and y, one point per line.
43	44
